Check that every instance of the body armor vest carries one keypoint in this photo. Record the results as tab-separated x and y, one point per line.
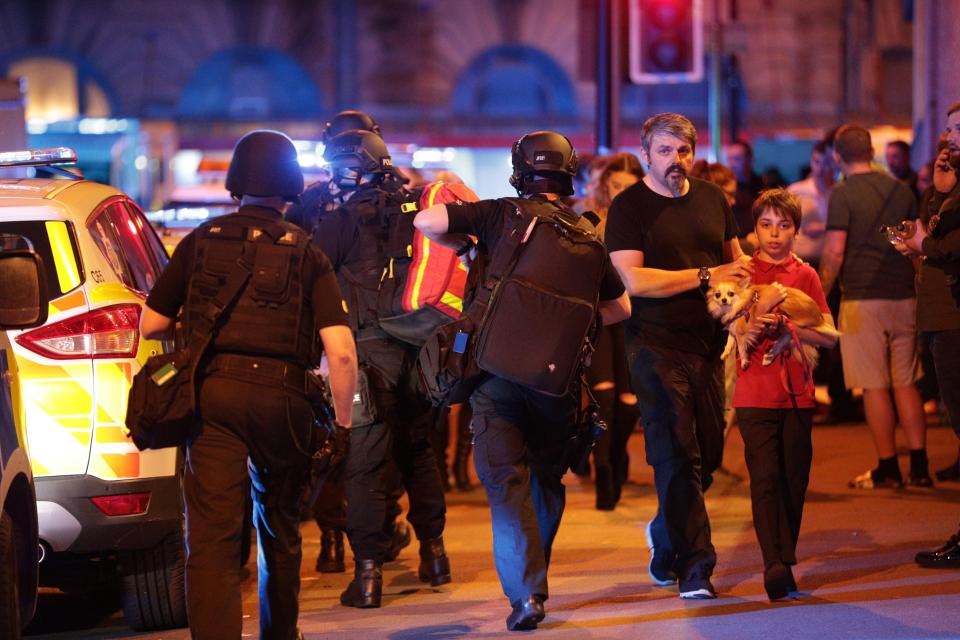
374	208
273	316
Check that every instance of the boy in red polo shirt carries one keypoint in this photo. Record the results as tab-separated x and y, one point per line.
776	422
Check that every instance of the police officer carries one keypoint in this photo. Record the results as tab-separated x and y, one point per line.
324	196
329	510
395	434
520	435
252	386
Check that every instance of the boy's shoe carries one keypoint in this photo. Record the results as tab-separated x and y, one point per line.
776	581
661	573
872	479
697	589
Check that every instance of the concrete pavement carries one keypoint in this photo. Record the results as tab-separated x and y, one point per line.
856	568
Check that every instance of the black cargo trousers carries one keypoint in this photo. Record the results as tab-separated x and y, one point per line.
256	420
397	444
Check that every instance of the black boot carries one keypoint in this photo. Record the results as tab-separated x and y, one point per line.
399	540
434	564
526	615
366	588
330	559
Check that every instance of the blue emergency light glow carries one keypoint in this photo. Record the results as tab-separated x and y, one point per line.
56	155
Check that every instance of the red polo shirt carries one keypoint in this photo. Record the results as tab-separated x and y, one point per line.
760	386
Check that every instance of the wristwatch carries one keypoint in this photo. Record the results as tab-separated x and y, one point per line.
704	274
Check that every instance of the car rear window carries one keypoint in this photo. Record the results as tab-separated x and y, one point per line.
55	242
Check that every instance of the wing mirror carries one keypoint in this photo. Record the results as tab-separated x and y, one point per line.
24	300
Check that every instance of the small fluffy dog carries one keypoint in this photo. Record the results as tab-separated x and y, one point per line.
732	302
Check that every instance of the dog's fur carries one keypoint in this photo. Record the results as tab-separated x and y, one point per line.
727	300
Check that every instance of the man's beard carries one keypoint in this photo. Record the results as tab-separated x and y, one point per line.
675	178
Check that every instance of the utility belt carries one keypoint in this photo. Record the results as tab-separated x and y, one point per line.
258	369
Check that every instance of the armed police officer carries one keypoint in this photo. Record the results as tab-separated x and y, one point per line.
252	385
538	256
392	432
325	196
329	509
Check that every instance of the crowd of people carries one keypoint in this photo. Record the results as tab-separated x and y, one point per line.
712	290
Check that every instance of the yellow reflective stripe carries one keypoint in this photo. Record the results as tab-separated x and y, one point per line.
421	269
452	301
431	199
66	264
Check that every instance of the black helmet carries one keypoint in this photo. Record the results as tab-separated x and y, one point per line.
349	121
545	153
363	151
265	164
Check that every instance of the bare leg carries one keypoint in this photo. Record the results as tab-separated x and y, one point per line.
879	409
910	410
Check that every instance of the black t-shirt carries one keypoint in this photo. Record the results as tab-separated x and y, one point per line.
487	219
170	292
674	234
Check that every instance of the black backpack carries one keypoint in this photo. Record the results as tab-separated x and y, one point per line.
544	282
532	315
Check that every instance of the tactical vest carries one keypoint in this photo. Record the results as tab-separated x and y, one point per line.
374	209
272	317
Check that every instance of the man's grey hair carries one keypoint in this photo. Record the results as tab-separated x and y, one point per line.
672	124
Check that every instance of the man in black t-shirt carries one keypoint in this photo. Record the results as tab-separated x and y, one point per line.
521	435
252	386
669	236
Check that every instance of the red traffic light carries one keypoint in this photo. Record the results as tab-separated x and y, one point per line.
666	41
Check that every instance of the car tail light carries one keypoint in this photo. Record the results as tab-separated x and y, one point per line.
126	504
110	332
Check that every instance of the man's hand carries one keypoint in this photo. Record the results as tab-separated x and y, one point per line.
915	242
737	270
944	177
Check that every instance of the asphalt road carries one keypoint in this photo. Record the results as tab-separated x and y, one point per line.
856	568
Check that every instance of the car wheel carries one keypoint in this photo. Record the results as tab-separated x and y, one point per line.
9	588
153	590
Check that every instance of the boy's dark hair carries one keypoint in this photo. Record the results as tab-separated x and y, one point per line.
853	144
781	201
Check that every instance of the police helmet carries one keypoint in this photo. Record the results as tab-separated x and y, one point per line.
265	164
543	153
349	121
362	151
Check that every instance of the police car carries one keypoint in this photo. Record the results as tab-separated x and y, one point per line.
23	305
98	497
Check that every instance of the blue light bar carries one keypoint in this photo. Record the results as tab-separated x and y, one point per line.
36	157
